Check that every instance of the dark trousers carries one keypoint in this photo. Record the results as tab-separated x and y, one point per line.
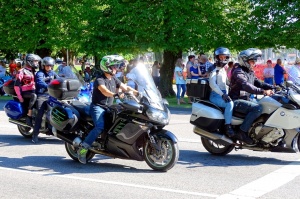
31	96
41	107
253	111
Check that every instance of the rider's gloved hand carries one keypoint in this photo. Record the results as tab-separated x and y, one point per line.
226	98
277	88
119	95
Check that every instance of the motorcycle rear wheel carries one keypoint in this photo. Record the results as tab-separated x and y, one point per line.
216	149
164	159
25	131
72	152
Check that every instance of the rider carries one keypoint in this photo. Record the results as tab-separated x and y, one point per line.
25	85
218	82
104	91
43	78
243	83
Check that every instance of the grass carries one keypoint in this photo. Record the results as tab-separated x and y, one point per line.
173	103
5	98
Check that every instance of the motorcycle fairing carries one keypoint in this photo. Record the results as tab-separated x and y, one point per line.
284	118
13	109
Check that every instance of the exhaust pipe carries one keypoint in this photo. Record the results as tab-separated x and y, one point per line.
222	139
18	123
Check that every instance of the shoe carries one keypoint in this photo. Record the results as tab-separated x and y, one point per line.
229	131
82	151
178	102
29	120
182	101
35	139
242	136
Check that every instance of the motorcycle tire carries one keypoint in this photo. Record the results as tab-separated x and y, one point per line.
164	159
25	131
72	152
216	149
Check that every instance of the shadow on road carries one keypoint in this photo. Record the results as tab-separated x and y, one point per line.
193	159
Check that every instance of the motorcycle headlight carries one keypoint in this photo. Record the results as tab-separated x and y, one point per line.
160	116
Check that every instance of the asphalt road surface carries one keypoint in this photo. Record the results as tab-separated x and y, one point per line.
46	171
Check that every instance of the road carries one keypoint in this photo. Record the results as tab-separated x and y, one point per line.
46	171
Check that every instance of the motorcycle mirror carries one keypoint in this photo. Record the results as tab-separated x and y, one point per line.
165	102
289	83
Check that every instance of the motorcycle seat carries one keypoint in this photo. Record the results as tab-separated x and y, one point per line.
83	110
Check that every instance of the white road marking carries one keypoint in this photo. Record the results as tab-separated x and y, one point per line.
266	183
113	183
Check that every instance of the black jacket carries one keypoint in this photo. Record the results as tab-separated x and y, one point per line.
243	83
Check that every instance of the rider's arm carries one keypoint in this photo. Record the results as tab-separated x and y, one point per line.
246	85
40	80
262	85
213	82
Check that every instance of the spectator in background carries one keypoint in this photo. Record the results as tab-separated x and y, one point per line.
2	69
180	81
65	71
131	78
279	73
195	70
155	72
229	69
12	66
120	72
202	65
189	64
269	73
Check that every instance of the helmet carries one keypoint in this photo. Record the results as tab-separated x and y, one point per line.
30	58
221	51
107	62
249	54
47	61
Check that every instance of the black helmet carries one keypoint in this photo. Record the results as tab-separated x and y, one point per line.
221	51
249	54
47	61
30	58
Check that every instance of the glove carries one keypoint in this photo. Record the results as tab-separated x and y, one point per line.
278	88
226	98
119	95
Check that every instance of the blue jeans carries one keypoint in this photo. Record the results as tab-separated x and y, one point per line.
179	87
217	100
253	111
97	114
269	80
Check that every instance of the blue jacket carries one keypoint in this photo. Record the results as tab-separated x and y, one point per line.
42	79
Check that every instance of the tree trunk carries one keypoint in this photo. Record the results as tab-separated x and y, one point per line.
167	73
70	56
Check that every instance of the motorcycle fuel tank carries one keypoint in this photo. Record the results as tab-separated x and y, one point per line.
206	117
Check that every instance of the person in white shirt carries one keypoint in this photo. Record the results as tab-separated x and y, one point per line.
269	73
2	69
218	82
180	81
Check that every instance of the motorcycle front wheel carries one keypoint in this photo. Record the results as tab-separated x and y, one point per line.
25	131
72	152
163	159
216	149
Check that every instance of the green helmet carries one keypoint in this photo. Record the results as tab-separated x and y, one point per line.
107	62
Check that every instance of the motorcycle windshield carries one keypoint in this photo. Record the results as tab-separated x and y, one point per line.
146	87
293	73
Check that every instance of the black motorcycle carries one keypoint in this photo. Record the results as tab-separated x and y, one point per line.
133	128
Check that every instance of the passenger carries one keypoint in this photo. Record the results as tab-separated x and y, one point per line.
218	82
25	85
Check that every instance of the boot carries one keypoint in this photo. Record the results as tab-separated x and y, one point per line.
29	120
82	151
35	139
243	136
229	131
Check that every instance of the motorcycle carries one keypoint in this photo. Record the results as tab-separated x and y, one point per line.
276	130
16	111
133	128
